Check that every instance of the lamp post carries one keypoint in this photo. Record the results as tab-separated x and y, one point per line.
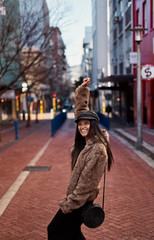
138	38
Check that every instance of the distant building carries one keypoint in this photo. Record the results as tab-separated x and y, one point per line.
75	73
34	17
59	76
120	77
100	41
100	53
10	65
87	53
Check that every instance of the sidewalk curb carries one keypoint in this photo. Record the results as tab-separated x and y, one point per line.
146	148
131	146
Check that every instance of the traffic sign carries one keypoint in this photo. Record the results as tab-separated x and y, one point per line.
2	11
147	72
133	57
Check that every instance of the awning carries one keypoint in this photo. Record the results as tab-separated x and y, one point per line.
118	78
9	94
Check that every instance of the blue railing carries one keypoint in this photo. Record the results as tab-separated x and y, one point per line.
56	122
104	120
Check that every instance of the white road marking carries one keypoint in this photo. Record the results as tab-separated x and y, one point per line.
13	189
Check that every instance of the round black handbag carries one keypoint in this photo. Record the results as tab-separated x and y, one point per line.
93	214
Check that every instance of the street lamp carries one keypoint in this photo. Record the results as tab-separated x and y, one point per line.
138	38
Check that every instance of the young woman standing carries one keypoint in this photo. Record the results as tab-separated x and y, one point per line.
90	154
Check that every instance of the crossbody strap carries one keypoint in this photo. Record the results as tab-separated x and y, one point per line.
104	188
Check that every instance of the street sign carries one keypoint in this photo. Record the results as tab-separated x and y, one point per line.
133	57
2	11
147	72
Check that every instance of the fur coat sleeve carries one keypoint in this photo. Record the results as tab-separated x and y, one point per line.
81	100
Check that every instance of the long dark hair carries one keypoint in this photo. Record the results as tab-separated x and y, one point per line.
80	143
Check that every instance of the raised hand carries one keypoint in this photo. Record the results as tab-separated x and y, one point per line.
86	82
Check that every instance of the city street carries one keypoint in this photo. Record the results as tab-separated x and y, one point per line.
29	197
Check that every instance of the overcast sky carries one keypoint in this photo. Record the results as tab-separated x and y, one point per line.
73	27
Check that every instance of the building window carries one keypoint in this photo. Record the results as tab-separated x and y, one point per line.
145	23
114	4
152	14
121	68
137	17
128	16
128	70
115	35
120	25
128	3
121	8
115	69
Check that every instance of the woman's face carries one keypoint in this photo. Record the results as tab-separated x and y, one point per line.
83	127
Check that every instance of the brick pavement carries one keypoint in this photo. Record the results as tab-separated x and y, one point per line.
129	204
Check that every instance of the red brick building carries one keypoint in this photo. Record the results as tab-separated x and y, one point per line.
59	62
143	14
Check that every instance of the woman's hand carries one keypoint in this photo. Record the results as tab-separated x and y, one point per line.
86	82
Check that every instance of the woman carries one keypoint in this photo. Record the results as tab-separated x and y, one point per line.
90	155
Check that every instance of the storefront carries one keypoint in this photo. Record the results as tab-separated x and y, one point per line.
122	100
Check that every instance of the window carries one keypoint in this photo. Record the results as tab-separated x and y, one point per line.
145	23
128	3
121	8
137	17
115	69
121	68
152	14
114	4
128	16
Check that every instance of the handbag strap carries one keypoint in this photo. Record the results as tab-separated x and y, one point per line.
104	188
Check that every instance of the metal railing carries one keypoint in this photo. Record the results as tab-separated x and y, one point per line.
57	122
104	120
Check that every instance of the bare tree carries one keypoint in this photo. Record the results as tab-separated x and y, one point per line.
25	51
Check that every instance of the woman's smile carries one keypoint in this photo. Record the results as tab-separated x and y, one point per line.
83	127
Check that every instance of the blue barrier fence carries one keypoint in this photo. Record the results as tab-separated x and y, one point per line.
56	122
104	120
16	129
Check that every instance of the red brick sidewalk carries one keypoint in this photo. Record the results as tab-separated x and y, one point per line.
129	204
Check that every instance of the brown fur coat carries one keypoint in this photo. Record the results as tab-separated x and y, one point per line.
89	168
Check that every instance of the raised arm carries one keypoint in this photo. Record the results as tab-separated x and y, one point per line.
82	97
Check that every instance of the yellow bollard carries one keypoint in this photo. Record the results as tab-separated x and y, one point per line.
41	107
103	103
54	103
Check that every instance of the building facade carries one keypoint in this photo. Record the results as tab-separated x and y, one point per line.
121	70
59	79
100	40
143	14
86	64
9	64
100	56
